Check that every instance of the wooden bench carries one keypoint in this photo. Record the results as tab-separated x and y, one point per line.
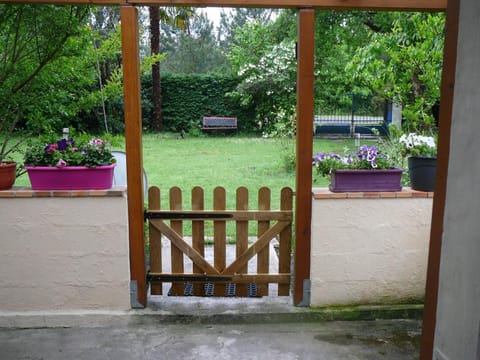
219	123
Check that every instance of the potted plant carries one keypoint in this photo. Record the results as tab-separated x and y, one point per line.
369	169
421	152
9	169
66	165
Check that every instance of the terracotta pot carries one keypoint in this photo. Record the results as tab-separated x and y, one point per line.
7	174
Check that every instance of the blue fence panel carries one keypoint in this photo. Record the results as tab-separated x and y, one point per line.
352	114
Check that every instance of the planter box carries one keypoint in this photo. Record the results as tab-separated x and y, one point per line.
70	177
365	180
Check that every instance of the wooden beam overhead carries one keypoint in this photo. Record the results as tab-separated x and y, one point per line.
67	2
414	5
430	5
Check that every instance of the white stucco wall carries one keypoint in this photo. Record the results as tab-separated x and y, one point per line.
64	253
369	251
458	317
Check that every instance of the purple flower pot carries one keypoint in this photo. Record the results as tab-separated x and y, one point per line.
70	177
365	180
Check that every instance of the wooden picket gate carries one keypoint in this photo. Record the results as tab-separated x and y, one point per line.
220	278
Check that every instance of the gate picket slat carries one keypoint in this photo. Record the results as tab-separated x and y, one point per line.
241	236
285	239
263	256
219	237
198	235
155	242
177	226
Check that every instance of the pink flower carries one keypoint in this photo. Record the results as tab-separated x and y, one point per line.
51	148
61	163
97	142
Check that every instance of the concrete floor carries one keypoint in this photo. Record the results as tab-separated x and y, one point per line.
215	329
378	339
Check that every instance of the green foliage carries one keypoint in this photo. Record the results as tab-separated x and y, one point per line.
66	152
268	72
288	154
337	36
387	55
50	72
233	22
193	52
328	164
404	64
38	84
395	149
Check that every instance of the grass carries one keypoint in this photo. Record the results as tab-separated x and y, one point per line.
229	162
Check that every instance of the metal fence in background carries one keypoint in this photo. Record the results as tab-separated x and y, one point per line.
351	114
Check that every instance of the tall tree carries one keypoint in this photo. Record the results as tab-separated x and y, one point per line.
178	17
403	63
238	17
156	81
195	51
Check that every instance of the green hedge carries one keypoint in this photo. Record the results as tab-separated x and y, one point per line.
186	99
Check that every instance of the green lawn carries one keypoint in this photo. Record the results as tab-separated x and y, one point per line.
230	162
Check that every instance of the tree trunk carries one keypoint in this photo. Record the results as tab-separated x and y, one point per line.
156	82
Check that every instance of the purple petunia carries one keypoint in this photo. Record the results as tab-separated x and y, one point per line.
368	153
318	157
62	145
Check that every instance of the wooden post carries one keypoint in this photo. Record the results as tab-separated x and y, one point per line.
443	154
133	139
303	199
